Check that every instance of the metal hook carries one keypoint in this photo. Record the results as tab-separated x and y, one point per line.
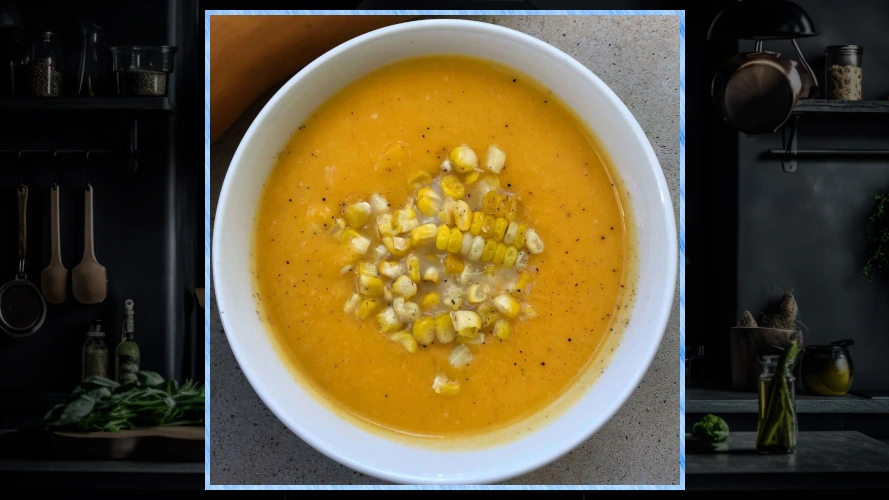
55	168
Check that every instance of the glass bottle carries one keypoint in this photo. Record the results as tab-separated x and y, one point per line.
776	431
842	67
94	355
126	357
38	66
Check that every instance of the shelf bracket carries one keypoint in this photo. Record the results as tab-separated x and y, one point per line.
789	160
132	149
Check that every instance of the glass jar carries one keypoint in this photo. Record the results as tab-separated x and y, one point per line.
827	370
776	431
842	66
142	70
94	353
37	66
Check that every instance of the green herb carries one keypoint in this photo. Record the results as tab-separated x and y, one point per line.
878	236
711	428
100	404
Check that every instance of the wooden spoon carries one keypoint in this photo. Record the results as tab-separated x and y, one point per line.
89	278
54	278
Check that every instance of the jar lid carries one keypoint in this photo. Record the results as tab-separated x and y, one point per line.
844	49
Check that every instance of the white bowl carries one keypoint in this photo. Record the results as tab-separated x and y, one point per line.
380	455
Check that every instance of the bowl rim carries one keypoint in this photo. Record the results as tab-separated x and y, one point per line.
661	315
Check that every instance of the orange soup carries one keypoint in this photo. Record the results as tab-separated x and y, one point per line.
441	249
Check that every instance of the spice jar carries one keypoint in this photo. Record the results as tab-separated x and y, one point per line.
827	370
776	431
37	66
95	353
142	70
842	65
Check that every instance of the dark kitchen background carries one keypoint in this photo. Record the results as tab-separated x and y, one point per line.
148	179
752	227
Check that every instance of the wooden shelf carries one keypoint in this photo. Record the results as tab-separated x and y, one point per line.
812	106
119	104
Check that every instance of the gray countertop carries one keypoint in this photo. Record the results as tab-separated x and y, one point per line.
726	401
822	459
638	57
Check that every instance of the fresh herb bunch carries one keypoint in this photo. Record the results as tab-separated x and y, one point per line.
100	404
878	236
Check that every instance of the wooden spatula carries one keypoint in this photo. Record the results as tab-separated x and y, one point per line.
54	278
89	279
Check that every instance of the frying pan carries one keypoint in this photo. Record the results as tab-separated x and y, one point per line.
22	308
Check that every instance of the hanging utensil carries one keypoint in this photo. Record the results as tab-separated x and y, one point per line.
54	278
22	308
89	280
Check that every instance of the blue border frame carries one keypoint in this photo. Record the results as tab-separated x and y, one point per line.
207	241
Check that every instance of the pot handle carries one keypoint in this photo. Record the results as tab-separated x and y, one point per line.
813	88
22	193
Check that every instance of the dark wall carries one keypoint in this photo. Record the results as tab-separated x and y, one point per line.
148	223
806	230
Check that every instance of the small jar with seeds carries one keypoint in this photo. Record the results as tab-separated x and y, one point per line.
37	66
142	70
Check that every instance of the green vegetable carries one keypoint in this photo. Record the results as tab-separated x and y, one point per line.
878	236
99	404
710	428
777	429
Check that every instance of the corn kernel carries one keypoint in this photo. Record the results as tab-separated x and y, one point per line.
446	213
428	201
491	202
512	208
424	330
356	214
368	307
488	315
462	216
460	356
478	220
341	223
499	254
520	236
507	305
405	311
419	180
359	244
441	385
521	260
444	328
352	304
423	235
509	235
406	340
466	323
430	300
477	249
463	159
387	293
370	286
454	264
441	239
488	226
471	177
533	242
378	203
502	329
378	253
404	220
388	320
384	225
452	186
391	270
500	226
413	268
477	293
522	284
528	312
455	241
496	159
467	245
489	251
490	270
510	256
397	245
404	287
446	166
474	340
487	184
466	275
431	275
367	269
453	298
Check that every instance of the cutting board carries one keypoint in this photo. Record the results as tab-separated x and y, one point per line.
180	444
